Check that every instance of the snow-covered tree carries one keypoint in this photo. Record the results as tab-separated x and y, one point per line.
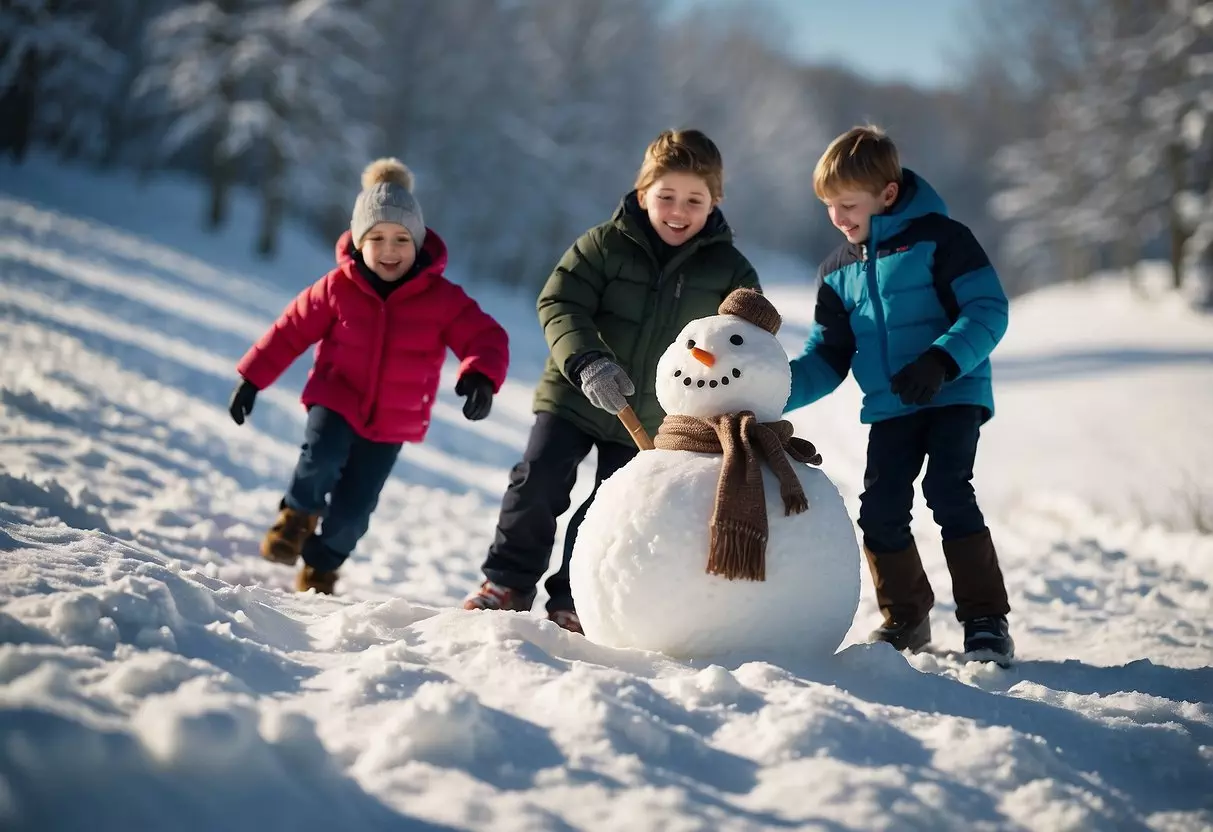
56	75
127	125
298	64
447	70
1194	127
191	72
260	86
1113	163
1079	185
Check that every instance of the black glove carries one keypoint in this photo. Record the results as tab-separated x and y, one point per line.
919	381
241	404
479	391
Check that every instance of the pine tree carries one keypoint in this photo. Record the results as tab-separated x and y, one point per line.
1121	138
301	62
259	87
125	125
1192	55
56	75
192	75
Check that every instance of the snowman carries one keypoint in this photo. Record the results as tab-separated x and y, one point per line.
722	540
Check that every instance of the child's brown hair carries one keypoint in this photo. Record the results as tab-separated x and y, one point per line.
863	159
682	151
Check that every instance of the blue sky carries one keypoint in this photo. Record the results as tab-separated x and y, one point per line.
908	40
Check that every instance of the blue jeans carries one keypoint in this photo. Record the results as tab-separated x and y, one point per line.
339	476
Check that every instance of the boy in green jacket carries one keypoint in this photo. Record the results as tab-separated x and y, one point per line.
617	299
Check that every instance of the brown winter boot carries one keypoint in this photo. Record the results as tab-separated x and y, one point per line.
905	598
284	541
567	620
312	578
977	583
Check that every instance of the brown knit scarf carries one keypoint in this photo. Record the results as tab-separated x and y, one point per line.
739	522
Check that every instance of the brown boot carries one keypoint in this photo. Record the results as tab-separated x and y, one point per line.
567	620
902	589
311	578
977	583
284	541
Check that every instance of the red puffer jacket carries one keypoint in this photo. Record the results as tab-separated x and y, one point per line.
378	362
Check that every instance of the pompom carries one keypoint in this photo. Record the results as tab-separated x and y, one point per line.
387	169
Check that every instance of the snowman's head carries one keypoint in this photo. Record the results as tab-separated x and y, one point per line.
725	364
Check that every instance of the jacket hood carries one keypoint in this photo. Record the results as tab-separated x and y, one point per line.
916	199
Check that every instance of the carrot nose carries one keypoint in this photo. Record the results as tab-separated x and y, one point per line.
703	356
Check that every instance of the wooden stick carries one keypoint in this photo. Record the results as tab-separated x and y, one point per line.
639	435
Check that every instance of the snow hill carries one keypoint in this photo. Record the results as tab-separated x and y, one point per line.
155	674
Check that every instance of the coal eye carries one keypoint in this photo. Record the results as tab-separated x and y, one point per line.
737	339
690	343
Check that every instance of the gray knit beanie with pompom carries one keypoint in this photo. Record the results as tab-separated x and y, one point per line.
387	196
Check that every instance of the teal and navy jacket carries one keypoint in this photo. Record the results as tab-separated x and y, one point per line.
922	280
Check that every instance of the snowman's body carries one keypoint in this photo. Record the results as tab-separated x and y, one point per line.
638	571
639	580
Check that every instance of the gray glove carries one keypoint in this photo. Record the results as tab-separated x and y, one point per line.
606	385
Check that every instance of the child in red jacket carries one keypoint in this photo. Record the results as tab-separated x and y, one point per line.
383	319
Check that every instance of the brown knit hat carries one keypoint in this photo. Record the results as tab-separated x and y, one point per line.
751	305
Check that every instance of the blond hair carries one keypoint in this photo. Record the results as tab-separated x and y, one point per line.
862	159
682	151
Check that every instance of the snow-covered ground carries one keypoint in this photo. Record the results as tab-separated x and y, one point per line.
155	674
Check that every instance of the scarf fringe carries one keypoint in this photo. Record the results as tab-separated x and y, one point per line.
737	552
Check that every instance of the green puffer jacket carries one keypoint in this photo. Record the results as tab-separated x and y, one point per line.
608	295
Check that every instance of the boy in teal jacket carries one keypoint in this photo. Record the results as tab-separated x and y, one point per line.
912	306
